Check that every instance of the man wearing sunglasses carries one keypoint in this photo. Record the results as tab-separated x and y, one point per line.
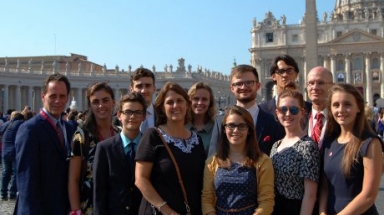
283	70
244	86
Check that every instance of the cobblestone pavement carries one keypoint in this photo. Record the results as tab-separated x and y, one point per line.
7	207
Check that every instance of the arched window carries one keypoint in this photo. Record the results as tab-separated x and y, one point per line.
375	63
358	64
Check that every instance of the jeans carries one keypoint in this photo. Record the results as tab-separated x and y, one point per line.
8	176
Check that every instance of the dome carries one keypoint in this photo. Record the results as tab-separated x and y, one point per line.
357	9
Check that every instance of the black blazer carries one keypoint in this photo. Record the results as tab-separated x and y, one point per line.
113	180
268	131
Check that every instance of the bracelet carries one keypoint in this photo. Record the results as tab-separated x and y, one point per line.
160	206
78	212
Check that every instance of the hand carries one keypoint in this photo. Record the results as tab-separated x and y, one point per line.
166	210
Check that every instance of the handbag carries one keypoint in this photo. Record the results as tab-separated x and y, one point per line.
188	209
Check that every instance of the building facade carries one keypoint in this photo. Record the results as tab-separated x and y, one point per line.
21	79
349	40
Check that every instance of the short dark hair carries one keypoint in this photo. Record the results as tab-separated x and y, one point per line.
287	60
242	69
142	72
132	97
56	77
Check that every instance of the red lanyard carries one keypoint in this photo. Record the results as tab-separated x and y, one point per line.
50	122
101	137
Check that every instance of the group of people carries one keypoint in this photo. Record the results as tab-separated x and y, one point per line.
177	156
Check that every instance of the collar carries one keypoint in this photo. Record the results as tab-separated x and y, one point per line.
126	141
54	120
151	110
314	112
254	111
207	128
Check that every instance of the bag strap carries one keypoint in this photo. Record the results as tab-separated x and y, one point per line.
177	170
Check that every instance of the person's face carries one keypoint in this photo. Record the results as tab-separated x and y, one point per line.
318	83
102	104
145	87
200	101
284	75
241	91
55	99
131	116
236	137
289	112
175	106
344	109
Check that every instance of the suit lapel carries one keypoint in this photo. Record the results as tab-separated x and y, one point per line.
119	152
54	139
260	124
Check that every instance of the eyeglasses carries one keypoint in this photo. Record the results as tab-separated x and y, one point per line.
245	83
232	126
288	71
319	83
133	112
294	110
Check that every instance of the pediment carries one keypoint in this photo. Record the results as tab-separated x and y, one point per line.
356	36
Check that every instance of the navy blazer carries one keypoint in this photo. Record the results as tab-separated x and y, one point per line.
42	168
268	131
113	180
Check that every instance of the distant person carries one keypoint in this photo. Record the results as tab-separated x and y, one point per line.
143	82
114	164
8	132
239	179
244	86
352	156
203	111
42	145
96	128
156	176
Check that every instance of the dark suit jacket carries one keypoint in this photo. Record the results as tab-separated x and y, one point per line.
42	168
113	180
268	132
270	107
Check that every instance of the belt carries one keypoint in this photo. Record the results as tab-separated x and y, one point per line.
232	210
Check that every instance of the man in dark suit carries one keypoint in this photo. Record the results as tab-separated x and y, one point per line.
114	166
284	69
42	145
244	85
143	82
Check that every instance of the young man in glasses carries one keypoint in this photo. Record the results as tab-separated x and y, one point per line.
283	70
114	165
143	82
244	86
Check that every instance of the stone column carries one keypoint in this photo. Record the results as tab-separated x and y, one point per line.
18	97
382	75
117	96
79	97
311	51
348	73
5	98
29	100
326	62
333	67
368	83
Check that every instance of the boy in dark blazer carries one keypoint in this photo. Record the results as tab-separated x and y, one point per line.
114	166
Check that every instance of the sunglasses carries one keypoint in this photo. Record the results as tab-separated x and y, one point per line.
240	127
294	110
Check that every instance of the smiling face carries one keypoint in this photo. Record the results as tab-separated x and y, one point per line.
236	137
55	99
288	119
245	94
145	87
344	109
318	83
131	122
175	106
200	101
102	104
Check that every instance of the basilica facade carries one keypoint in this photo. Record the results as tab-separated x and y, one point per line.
22	79
349	41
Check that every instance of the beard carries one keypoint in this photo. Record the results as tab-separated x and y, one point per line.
248	99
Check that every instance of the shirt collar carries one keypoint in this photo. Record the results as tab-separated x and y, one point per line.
126	141
150	110
54	120
254	111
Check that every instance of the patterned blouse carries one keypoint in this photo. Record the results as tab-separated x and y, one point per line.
86	192
294	164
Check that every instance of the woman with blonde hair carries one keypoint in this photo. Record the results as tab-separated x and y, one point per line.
203	111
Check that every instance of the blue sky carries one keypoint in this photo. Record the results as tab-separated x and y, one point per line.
209	33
